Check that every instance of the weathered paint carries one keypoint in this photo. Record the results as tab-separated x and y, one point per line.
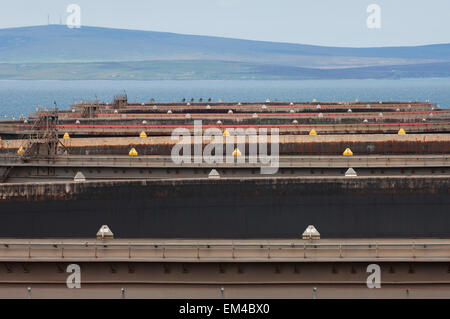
230	208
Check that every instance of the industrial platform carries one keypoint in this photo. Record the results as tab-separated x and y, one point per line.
372	177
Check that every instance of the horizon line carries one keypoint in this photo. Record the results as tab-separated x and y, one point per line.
230	38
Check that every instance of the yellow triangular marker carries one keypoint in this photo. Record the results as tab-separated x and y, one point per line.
226	133
133	152
237	152
20	151
66	136
401	132
313	132
348	152
143	134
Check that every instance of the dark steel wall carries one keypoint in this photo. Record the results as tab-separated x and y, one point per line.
234	208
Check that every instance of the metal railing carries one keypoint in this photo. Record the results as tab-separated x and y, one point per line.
284	161
234	251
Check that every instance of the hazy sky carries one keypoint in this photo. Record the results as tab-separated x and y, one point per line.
320	22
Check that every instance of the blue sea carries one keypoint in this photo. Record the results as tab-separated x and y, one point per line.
22	97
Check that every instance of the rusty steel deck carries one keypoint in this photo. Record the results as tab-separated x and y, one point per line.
284	129
441	114
361	144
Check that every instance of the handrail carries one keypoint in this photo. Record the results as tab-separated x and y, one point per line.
282	159
157	245
166	162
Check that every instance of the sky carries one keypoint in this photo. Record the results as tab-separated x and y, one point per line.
319	22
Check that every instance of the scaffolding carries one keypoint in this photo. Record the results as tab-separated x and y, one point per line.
43	140
120	100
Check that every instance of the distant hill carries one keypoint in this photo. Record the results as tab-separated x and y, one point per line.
44	52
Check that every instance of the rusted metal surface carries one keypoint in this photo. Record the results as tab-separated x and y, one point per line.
272	105
126	119
284	129
116	117
366	144
149	194
377	184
